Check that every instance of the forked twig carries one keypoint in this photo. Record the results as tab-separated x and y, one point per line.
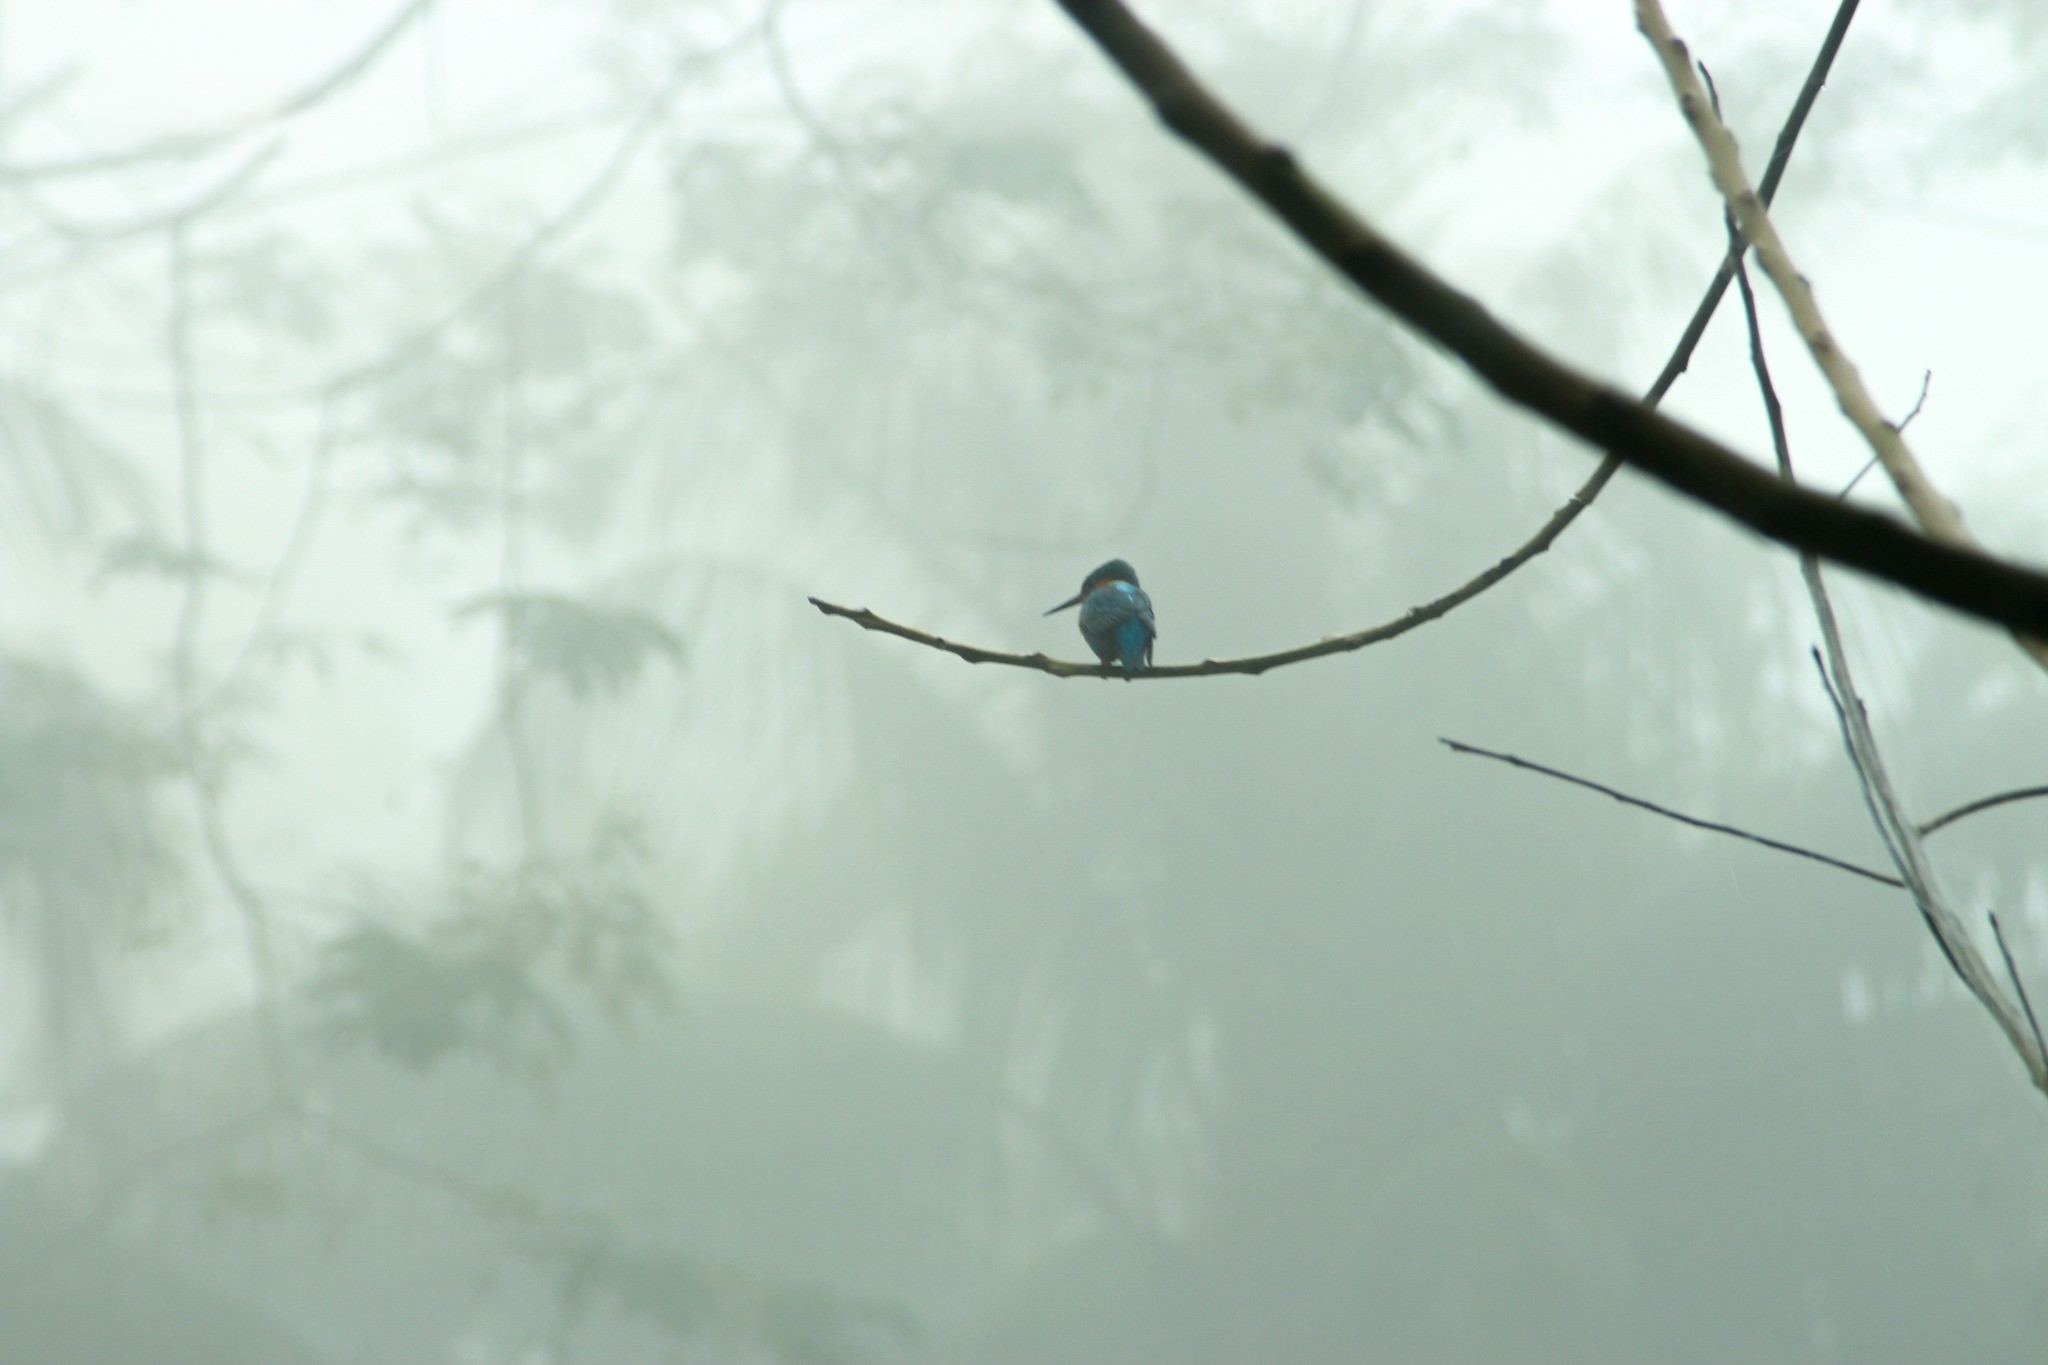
1901	838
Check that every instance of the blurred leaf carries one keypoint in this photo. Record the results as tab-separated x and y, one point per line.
273	283
494	975
245	1193
588	648
76	773
61	477
415	1003
694	1297
144	554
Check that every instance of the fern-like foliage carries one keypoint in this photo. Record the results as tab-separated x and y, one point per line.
518	955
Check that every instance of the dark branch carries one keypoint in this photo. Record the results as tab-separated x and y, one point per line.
1715	827
1981	803
1684	459
2019	987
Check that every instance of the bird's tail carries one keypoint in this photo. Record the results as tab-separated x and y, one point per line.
1133	645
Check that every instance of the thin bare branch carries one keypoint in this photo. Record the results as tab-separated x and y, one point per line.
1686	460
1639	803
594	192
2019	984
196	205
182	146
1982	803
1926	378
200	766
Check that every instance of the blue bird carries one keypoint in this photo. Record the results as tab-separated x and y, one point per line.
1116	616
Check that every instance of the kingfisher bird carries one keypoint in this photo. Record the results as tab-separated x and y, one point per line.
1116	616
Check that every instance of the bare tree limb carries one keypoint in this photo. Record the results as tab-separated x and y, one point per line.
1936	514
1639	803
1680	457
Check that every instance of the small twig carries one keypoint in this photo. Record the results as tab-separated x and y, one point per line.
1981	803
1871	801
2019	986
1639	803
1926	378
1850	486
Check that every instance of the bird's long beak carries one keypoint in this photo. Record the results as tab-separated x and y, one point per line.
1073	601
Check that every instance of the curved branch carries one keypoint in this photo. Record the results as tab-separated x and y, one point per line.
1682	458
1982	803
1250	664
1553	527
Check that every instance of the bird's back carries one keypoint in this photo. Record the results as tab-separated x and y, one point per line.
1117	622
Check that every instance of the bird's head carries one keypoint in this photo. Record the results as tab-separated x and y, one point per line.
1116	571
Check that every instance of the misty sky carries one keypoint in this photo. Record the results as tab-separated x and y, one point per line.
465	905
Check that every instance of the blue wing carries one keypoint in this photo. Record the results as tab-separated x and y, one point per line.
1118	624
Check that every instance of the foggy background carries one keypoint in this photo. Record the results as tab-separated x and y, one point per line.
459	903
